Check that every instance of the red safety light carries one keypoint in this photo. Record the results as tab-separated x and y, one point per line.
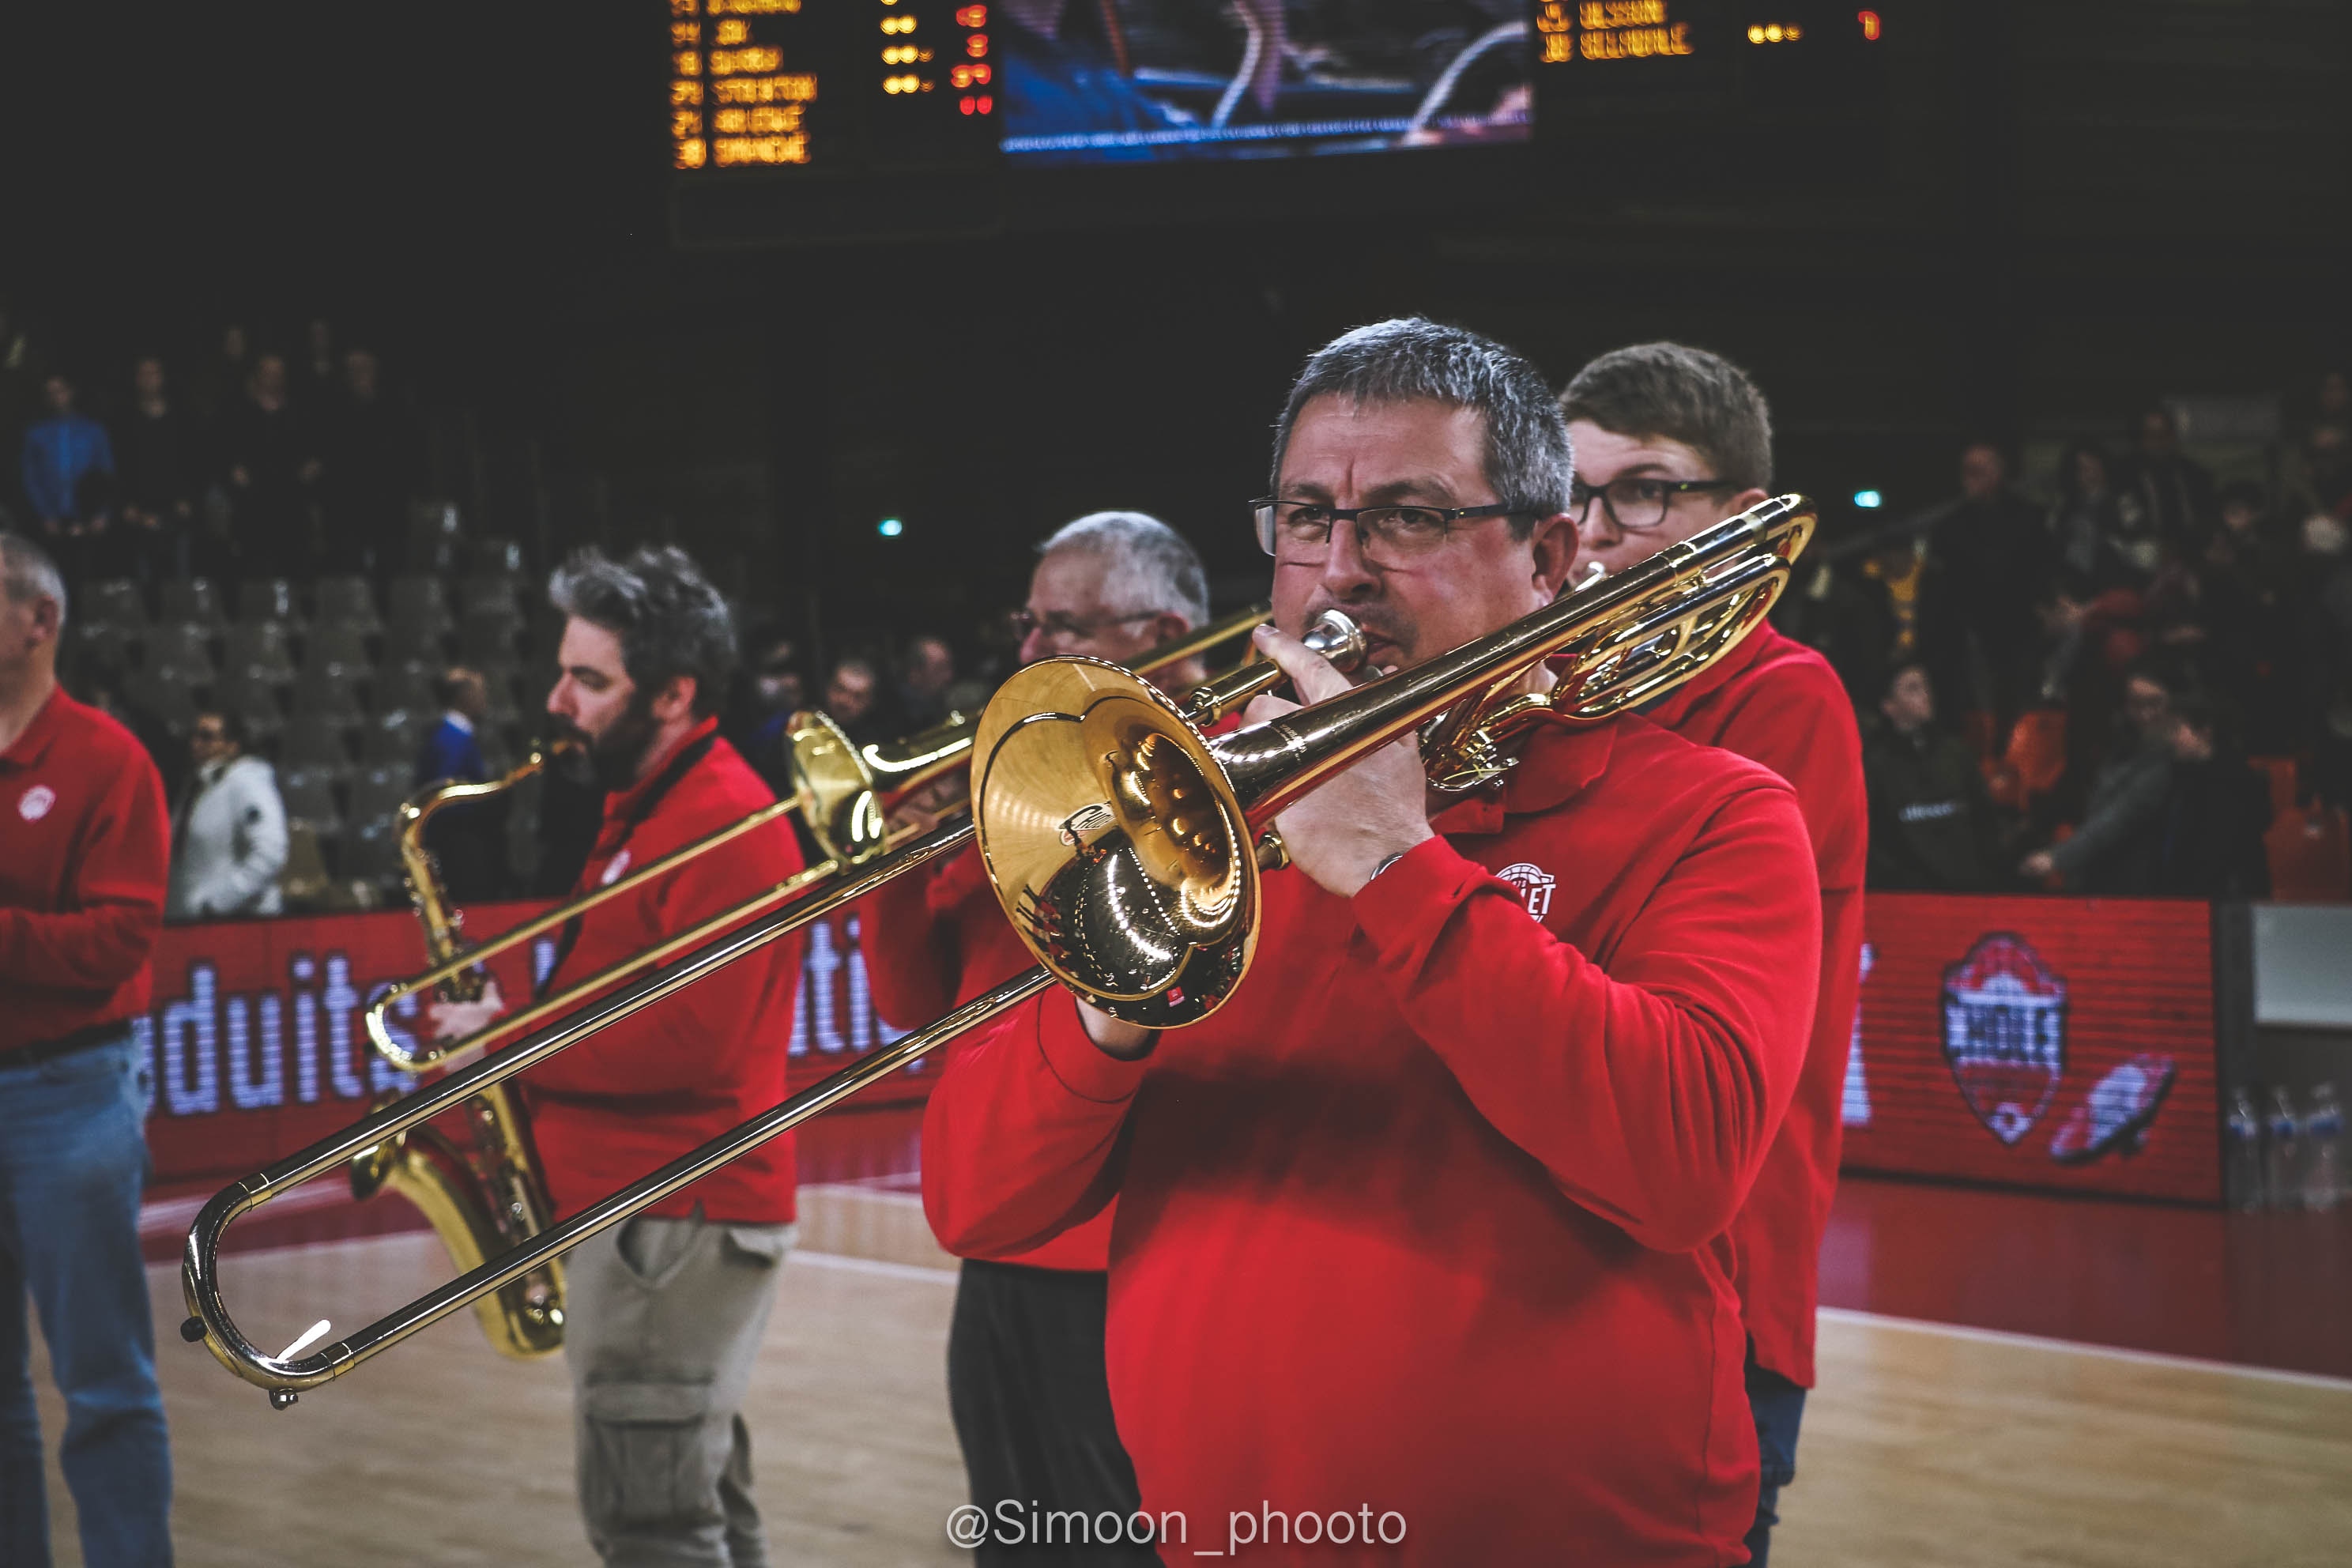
986	103
976	45
972	17
966	105
1870	25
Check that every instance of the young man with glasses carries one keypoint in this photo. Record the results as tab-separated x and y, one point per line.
1670	440
1423	1232
1025	1349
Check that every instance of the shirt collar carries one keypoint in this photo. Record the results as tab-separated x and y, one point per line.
457	721
34	743
624	803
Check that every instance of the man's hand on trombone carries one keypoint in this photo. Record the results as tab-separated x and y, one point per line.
458	1020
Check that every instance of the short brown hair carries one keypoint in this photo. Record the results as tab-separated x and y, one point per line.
1682	393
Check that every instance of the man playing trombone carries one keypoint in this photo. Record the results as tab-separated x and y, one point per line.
664	1313
1025	1350
1427	1223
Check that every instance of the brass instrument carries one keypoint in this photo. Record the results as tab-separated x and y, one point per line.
845	791
1124	845
484	1194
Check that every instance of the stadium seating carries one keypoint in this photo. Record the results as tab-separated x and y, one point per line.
181	646
116	603
335	644
260	650
2310	853
348	602
195	601
267	599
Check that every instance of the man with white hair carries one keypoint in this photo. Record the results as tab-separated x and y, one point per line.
83	850
1025	1377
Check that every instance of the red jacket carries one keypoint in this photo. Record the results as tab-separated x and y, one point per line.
934	940
1428	1218
84	853
1777	703
626	1102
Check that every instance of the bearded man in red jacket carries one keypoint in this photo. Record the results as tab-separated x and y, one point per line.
664	1313
1671	440
1419	1253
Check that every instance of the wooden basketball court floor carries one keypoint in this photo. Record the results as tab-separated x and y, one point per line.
1926	1445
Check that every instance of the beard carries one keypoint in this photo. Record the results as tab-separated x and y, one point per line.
614	756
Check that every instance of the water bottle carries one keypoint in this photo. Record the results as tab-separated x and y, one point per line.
2282	1159
2323	1157
2243	1137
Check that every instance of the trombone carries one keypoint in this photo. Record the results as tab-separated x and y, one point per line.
1124	847
478	1185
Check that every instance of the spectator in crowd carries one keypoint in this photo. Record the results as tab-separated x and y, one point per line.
1932	825
2177	492
157	483
2115	848
451	748
922	690
853	700
317	376
2322	610
271	466
68	463
467	839
2104	555
2217	813
23	370
83	842
228	836
777	692
222	382
1987	563
368	471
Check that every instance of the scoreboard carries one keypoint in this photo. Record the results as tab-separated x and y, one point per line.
793	120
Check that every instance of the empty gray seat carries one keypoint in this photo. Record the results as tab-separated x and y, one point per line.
194	600
336	645
315	740
267	599
260	649
371	852
253	699
394	736
407	685
116	602
167	695
101	644
332	691
181	646
347	601
489	635
378	788
310	796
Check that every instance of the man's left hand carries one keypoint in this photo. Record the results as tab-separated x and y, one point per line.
1340	834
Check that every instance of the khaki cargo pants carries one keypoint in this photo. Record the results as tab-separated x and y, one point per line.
663	1318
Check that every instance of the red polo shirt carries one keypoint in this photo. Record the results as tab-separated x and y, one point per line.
624	1104
1429	1217
934	940
1777	703
84	853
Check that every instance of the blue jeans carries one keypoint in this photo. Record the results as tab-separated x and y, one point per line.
1780	1405
73	1159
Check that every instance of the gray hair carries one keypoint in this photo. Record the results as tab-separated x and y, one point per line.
1157	572
670	620
1686	395
27	573
1528	459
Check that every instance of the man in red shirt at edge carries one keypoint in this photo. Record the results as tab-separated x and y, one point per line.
1421	1237
1025	1349
1670	440
84	847
664	1313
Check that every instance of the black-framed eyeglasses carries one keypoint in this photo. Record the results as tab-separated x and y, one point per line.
1069	628
1637	505
1301	531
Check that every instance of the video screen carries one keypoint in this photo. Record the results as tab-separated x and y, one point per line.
1101	81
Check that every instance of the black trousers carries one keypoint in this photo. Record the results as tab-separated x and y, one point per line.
1031	1408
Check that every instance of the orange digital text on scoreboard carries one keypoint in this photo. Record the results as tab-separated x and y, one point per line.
1609	30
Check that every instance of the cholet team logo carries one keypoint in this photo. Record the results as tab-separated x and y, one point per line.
35	803
2005	1033
2005	1041
1535	885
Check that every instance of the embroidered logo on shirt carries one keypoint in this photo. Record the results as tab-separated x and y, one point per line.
613	872
35	803
1535	885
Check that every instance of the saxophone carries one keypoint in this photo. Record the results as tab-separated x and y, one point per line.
480	1187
